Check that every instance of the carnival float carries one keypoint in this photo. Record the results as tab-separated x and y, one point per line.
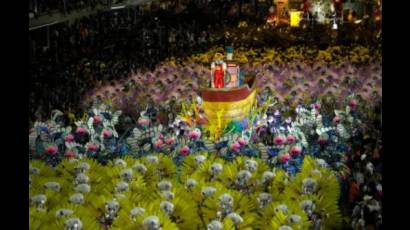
231	96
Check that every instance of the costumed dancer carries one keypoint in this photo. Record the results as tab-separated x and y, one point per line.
232	74
271	18
218	68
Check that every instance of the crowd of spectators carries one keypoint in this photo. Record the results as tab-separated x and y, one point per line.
364	185
366	191
39	8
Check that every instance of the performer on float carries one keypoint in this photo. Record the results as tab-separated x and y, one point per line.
232	72
218	68
271	18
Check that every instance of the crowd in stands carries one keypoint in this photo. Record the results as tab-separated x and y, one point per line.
39	8
365	187
100	48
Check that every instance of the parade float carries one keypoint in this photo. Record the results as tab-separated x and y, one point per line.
231	95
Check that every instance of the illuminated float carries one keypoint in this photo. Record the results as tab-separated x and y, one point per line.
234	101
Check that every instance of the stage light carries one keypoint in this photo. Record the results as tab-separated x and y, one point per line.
117	7
295	18
334	26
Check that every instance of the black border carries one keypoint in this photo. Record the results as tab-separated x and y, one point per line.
395	157
14	114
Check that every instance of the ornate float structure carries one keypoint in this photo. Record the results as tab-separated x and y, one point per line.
227	104
231	103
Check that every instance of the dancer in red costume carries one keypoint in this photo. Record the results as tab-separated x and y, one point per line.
218	71
218	76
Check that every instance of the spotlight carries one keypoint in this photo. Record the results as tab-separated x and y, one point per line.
334	26
117	7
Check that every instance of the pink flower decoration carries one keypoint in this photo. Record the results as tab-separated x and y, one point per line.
143	121
170	141
353	103
195	134
158	144
97	120
242	141
107	134
81	131
69	138
295	150
70	154
236	147
336	120
184	151
92	147
291	139
318	106
161	136
51	150
284	158
279	140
